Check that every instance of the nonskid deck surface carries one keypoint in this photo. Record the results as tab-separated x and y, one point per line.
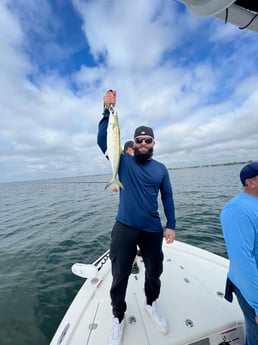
192	297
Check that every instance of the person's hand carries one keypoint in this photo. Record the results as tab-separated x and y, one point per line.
256	319
110	99
170	235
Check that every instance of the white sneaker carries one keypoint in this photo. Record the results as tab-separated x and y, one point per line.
116	333
158	318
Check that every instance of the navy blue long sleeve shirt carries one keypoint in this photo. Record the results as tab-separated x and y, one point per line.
138	204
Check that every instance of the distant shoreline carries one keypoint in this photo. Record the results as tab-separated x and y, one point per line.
51	179
212	165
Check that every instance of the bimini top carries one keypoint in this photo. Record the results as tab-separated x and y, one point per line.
243	13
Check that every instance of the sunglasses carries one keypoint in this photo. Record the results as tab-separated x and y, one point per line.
139	140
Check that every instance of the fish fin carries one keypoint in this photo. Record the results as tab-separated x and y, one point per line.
106	154
114	180
119	184
109	183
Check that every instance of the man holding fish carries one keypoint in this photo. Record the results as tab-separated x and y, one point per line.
140	178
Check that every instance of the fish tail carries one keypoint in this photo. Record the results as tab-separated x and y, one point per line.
119	183
114	180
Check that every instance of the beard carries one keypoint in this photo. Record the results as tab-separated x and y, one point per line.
143	157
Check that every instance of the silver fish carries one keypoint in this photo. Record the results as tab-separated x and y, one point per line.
114	149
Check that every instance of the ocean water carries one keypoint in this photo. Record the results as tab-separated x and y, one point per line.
47	225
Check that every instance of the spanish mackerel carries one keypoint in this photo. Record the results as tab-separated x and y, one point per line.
114	150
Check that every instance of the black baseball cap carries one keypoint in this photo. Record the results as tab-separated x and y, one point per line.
143	130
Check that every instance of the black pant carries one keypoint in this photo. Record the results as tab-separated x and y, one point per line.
124	241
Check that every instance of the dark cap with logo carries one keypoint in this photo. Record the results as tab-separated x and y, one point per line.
249	171
143	130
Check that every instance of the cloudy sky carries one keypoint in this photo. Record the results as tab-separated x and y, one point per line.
193	80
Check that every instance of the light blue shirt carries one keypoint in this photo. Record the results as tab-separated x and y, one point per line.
239	220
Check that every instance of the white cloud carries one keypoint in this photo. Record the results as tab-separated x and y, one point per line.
128	36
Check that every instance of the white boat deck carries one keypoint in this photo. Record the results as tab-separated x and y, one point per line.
192	298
